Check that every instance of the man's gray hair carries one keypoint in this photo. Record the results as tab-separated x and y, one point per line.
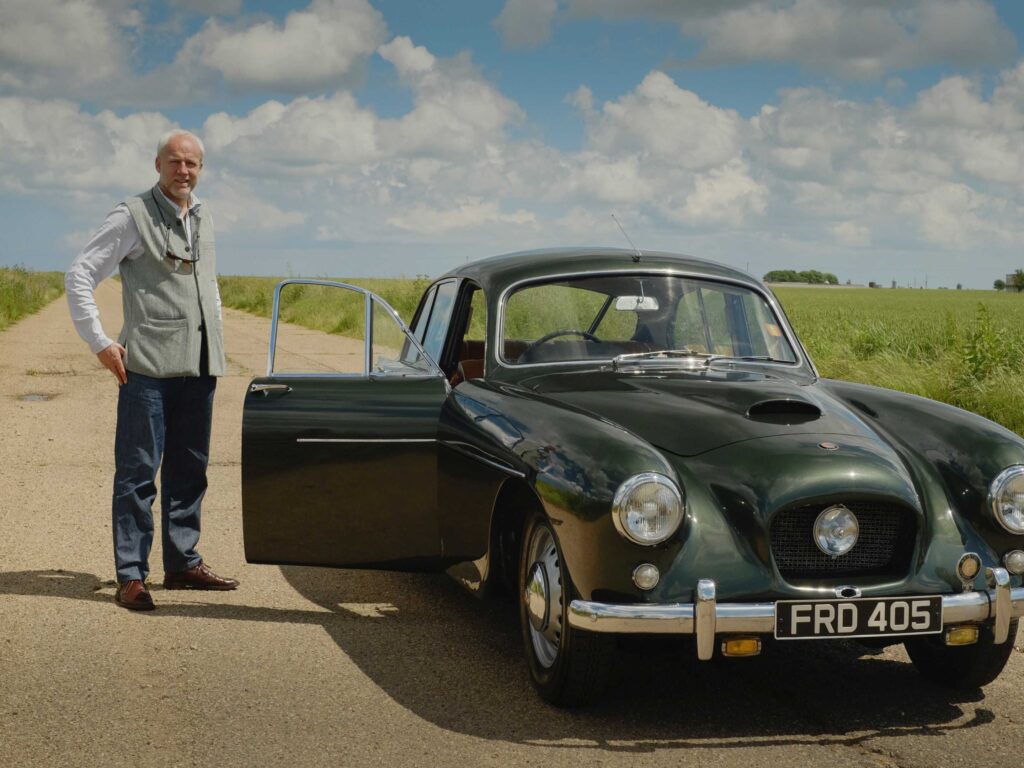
166	138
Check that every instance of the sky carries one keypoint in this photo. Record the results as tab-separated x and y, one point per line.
880	140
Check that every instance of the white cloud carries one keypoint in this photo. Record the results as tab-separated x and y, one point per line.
852	39
240	206
597	177
86	49
456	113
979	137
939	171
727	194
305	136
59	46
662	120
55	148
526	23
312	48
467	213
660	150
582	99
947	215
582	222
852	234
456	117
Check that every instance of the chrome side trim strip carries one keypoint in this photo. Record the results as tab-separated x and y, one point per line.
474	453
680	618
364	440
265	388
673	619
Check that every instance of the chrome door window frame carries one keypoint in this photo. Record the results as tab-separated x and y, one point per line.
368	298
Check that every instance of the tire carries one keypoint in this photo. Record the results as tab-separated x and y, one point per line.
568	667
964	668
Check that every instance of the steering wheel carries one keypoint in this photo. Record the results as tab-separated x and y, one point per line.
554	335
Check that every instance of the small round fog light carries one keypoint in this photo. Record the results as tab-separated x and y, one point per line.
1014	562
968	566
646	576
836	530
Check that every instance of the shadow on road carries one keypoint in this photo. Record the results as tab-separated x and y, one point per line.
457	662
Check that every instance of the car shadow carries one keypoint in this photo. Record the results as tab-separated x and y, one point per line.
458	663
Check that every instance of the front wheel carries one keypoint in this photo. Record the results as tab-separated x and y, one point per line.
568	667
966	667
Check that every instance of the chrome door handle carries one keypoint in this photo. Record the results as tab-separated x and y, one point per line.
266	389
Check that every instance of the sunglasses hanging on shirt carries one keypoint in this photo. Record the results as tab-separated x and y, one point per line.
168	253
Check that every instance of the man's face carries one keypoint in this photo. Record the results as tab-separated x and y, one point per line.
179	166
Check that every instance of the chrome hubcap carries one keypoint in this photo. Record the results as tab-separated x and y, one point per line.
537	598
542	596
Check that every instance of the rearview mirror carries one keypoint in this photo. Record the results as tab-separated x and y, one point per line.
636	304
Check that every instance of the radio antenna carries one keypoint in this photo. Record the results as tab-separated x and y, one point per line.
636	251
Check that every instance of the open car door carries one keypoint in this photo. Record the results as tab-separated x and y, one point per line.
339	439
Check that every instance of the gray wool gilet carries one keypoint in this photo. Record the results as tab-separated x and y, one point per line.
169	304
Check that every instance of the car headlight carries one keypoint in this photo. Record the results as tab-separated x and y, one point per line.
1007	498
647	508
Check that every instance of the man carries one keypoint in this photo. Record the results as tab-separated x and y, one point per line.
166	361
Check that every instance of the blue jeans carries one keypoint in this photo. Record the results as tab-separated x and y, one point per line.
166	419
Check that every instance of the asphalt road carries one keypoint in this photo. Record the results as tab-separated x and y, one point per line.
303	666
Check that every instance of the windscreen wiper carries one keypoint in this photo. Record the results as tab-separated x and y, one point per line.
704	359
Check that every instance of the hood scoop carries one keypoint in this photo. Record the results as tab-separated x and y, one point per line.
785	411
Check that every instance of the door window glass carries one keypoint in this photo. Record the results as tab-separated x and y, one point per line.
320	329
391	352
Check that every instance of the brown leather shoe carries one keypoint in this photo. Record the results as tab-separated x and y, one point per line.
134	596
200	577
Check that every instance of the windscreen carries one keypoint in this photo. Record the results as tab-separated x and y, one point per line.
604	316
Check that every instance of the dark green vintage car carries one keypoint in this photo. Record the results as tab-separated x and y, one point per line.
634	443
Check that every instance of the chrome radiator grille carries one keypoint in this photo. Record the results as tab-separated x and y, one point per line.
886	541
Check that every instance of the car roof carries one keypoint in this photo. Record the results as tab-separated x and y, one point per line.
500	271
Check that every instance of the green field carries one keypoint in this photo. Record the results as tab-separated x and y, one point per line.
962	347
23	292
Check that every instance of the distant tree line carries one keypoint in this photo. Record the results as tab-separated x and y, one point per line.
807	276
1015	282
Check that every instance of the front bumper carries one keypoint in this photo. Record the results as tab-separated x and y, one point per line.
707	616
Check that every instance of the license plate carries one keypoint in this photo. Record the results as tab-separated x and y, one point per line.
862	617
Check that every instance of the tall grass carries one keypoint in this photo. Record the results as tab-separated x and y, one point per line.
965	348
23	292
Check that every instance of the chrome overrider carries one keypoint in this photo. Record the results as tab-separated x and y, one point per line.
707	616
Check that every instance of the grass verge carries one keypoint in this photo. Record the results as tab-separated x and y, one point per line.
23	292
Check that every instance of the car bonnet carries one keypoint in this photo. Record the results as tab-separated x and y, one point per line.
689	413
